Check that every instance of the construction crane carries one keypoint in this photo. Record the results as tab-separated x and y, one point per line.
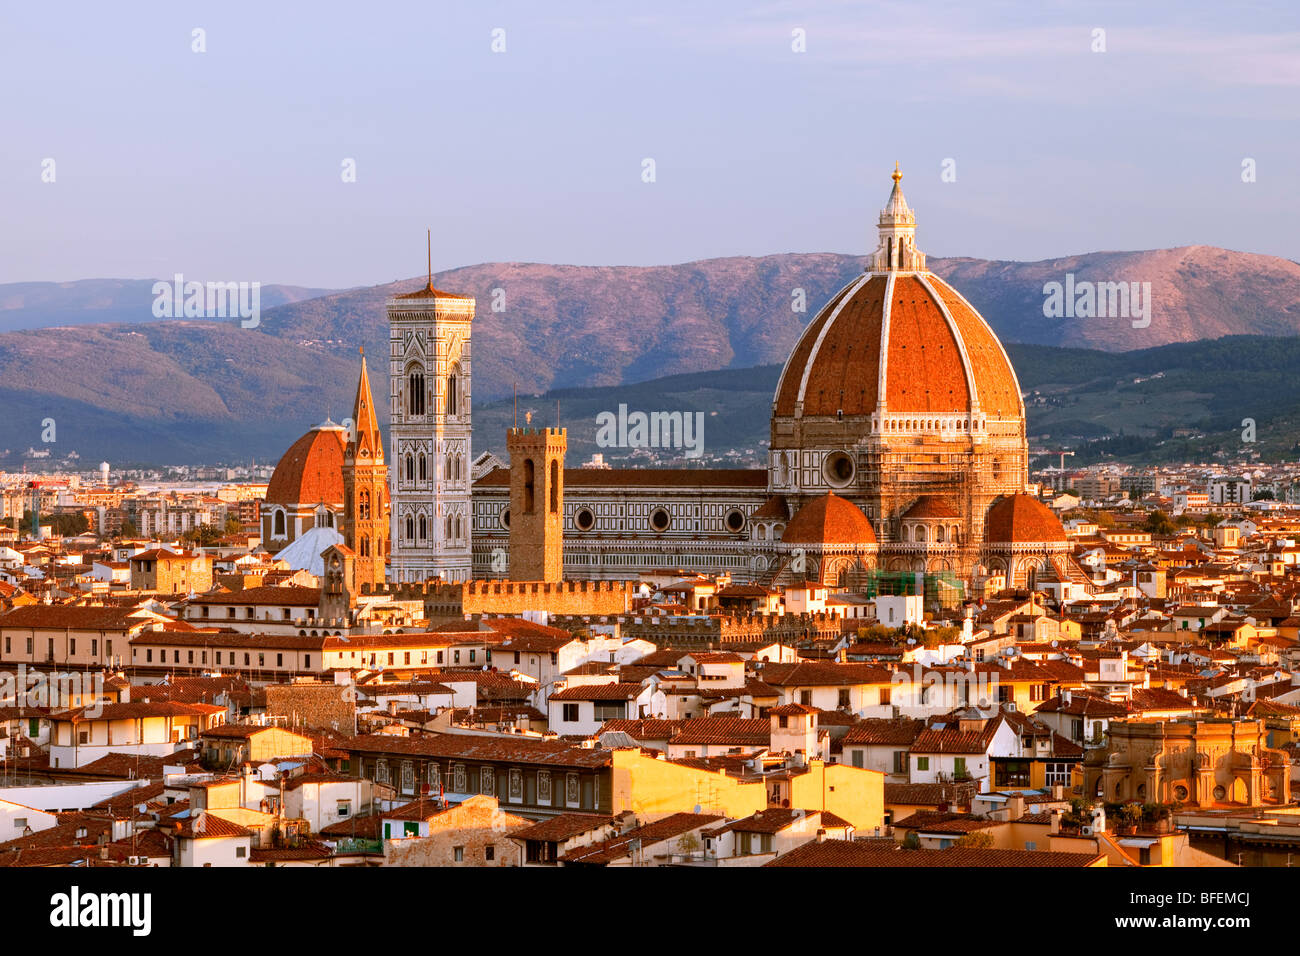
1063	454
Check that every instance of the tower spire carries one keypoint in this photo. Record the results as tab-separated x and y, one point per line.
429	246
366	436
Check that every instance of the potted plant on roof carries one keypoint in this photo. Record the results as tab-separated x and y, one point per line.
1127	819
1075	818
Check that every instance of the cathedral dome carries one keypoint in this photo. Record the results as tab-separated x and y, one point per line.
1022	519
898	340
311	471
829	520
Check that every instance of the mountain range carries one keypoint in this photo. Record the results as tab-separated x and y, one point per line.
124	385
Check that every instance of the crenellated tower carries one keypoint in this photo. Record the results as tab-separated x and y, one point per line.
537	503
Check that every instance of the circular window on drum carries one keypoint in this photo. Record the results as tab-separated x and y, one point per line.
584	519
659	519
838	469
735	521
504	518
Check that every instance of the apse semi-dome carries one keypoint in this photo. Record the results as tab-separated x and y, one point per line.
1022	519
829	520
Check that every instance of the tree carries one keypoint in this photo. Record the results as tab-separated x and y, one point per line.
1158	523
877	634
129	530
204	535
977	840
233	524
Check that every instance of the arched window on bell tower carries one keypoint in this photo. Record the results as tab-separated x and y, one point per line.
415	393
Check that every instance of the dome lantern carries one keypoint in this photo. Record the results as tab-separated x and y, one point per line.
896	251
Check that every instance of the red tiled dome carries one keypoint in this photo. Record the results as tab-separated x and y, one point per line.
829	519
1021	519
934	354
311	471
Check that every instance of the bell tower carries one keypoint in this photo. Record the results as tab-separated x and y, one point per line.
365	490
537	503
430	430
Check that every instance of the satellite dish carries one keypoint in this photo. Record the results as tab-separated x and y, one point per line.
911	640
697	809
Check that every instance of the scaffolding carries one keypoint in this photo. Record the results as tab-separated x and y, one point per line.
941	589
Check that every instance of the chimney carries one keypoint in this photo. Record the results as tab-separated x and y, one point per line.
821	836
1066	696
1055	826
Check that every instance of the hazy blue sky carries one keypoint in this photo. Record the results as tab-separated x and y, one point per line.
226	164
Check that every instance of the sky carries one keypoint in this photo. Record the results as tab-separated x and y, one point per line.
228	164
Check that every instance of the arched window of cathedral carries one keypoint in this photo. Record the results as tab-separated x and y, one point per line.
907	533
424	528
410	528
953	535
939	534
528	486
410	467
555	486
277	523
423	468
363	505
920	534
415	393
364	544
451	394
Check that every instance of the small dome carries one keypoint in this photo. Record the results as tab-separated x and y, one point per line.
829	519
311	471
1021	519
931	506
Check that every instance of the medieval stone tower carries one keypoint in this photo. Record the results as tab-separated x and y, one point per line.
338	585
429	380
536	503
365	490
